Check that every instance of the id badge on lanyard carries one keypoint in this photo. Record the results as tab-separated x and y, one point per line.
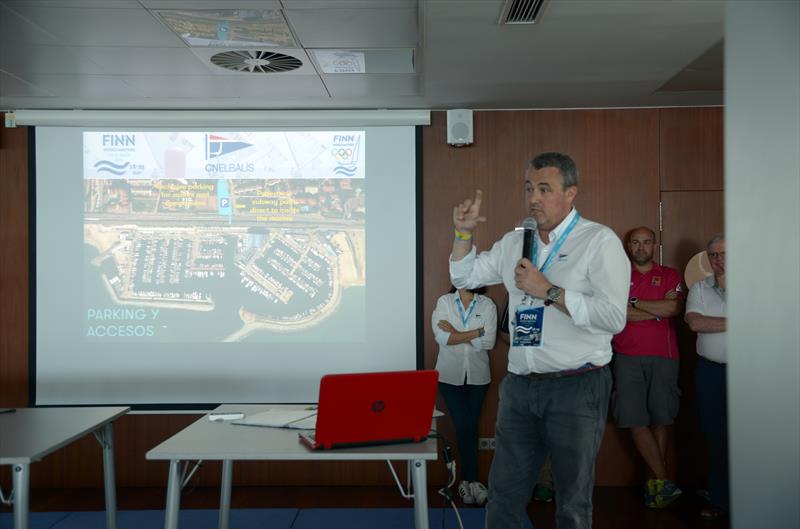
529	325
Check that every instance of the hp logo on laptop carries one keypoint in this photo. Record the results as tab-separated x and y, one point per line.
378	406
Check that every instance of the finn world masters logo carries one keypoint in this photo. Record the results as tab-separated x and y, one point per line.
220	145
345	151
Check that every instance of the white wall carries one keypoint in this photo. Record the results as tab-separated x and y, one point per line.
762	194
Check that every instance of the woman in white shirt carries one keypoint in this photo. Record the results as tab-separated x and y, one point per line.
465	324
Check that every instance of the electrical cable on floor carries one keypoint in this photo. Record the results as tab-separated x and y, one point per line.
445	492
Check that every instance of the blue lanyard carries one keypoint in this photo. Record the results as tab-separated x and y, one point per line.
559	242
460	307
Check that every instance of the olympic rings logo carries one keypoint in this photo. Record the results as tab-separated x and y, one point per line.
342	154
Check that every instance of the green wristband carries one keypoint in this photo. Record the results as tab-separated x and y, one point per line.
461	236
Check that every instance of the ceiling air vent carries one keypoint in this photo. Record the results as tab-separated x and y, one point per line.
256	61
522	11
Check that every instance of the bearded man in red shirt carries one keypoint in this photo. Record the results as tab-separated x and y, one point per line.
646	395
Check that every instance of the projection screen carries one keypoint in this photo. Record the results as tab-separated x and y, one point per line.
189	266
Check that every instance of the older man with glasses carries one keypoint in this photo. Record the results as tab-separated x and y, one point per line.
706	314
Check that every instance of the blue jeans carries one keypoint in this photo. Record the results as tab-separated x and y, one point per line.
464	404
712	414
564	417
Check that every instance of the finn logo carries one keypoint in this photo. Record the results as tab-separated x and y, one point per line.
217	146
378	406
119	140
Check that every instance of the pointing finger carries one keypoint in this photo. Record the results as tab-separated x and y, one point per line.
478	198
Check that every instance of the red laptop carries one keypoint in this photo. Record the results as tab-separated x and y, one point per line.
373	408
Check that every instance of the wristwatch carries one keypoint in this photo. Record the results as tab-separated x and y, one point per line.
553	295
481	332
633	301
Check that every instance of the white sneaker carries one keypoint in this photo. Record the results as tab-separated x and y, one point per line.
479	492
465	491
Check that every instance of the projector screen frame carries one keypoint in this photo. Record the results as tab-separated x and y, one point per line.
195	407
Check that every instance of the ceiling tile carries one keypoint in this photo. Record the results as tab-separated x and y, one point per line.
13	86
229	28
84	86
347	62
146	61
26	60
16	30
101	27
354	4
265	85
357	85
357	28
105	4
210	4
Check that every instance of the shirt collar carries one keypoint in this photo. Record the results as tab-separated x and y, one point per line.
556	232
653	269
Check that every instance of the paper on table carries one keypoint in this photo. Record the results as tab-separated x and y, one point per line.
282	418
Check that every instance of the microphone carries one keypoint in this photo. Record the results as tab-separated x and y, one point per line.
529	226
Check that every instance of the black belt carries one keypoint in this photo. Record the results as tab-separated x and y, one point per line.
564	373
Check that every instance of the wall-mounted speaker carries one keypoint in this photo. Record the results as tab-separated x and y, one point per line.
459	127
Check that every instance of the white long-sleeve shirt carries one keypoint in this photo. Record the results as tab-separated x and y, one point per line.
594	271
468	360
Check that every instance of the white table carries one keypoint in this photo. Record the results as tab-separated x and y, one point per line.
28	435
226	442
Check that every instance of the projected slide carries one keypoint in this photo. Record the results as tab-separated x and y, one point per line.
224	236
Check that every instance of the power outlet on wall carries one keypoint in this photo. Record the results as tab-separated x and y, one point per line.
486	443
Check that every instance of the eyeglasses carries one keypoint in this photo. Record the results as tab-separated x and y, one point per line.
716	255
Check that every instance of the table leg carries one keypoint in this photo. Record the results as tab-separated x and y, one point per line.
109	479
225	493
173	495
420	481
21	489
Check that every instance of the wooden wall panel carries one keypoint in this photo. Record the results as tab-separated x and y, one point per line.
14	267
690	219
621	157
13	273
691	149
620	183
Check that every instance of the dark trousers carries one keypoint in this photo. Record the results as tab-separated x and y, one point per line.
563	416
464	404
712	414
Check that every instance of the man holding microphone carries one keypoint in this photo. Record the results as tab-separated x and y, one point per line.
565	303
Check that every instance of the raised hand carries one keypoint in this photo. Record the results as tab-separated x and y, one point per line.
466	215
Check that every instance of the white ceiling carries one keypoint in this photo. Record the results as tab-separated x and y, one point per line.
99	54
